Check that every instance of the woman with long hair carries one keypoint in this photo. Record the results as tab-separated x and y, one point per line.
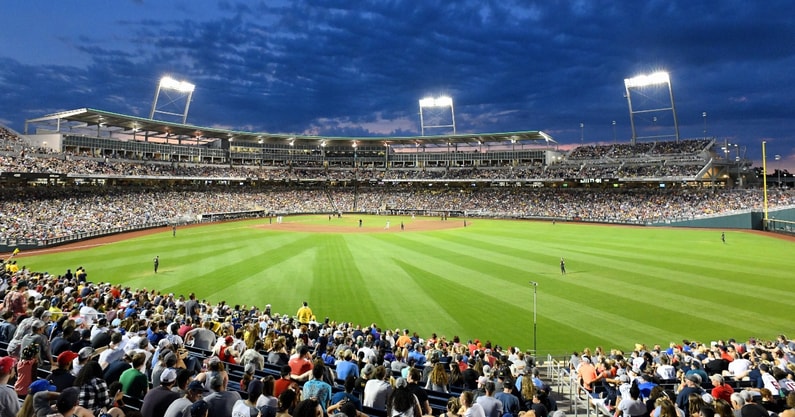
452	407
694	404
94	393
527	392
267	399
455	379
402	402
438	378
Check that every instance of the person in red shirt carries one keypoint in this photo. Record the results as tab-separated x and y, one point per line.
721	389
284	383
301	365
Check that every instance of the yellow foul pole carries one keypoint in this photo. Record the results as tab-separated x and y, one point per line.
764	180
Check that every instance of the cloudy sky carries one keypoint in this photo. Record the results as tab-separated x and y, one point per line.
358	68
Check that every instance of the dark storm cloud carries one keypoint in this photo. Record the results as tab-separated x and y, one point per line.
343	68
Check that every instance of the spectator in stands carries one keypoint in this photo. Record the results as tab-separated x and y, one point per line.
456	378
288	400
248	407
720	388
401	402
377	390
16	301
691	384
316	388
192	394
510	402
347	395
94	394
133	380
665	371
304	314
61	376
221	402
9	402
739	368
284	382
631	405
346	366
8	326
113	352
492	407
278	354
414	378
438	378
66	404
301	365
115	369
253	356
202	337
789	410
267	402
158	399
468	407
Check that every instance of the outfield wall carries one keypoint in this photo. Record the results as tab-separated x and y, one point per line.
753	220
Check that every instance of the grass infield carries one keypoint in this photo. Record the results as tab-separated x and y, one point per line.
624	285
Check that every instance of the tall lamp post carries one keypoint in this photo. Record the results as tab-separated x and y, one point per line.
535	321
582	133
614	132
704	115
778	170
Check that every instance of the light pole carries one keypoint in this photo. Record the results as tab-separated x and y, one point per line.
614	132
582	132
535	321
778	170
704	115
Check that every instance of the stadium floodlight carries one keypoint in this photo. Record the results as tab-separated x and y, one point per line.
647	80
183	90
431	117
172	84
660	77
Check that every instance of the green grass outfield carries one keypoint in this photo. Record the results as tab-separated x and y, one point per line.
624	284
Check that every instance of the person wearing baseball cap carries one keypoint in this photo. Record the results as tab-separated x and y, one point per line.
193	394
157	400
8	397
62	376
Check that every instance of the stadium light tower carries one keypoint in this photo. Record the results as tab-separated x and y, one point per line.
647	80
182	90
433	114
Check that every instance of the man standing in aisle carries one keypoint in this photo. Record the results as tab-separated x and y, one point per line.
304	313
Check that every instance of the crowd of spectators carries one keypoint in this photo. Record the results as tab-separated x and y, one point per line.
583	162
45	213
750	378
681	148
103	349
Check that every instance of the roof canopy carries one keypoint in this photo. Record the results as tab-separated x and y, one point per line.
70	121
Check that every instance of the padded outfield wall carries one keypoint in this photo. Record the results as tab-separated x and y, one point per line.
746	220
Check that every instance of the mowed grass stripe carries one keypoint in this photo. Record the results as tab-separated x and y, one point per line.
384	286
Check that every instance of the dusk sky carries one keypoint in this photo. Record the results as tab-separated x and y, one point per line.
358	68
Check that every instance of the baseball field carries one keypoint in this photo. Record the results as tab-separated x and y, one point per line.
624	285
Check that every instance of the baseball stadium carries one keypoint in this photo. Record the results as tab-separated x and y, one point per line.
470	249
